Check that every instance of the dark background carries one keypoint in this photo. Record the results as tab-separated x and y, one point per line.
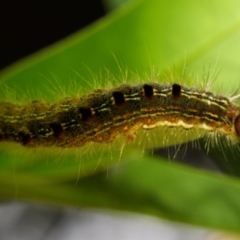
27	26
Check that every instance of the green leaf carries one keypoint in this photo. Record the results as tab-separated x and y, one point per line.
114	4
164	34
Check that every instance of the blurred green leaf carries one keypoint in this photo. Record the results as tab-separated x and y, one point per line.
114	4
164	34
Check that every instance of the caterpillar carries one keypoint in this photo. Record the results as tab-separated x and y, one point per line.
103	114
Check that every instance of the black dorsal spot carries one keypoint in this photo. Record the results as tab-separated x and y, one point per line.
25	137
148	91
176	90
1	136
119	99
86	114
56	128
237	125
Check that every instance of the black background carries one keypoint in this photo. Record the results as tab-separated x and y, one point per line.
27	26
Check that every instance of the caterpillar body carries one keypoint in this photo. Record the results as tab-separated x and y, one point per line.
103	114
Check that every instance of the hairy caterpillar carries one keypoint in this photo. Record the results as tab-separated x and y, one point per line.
103	114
